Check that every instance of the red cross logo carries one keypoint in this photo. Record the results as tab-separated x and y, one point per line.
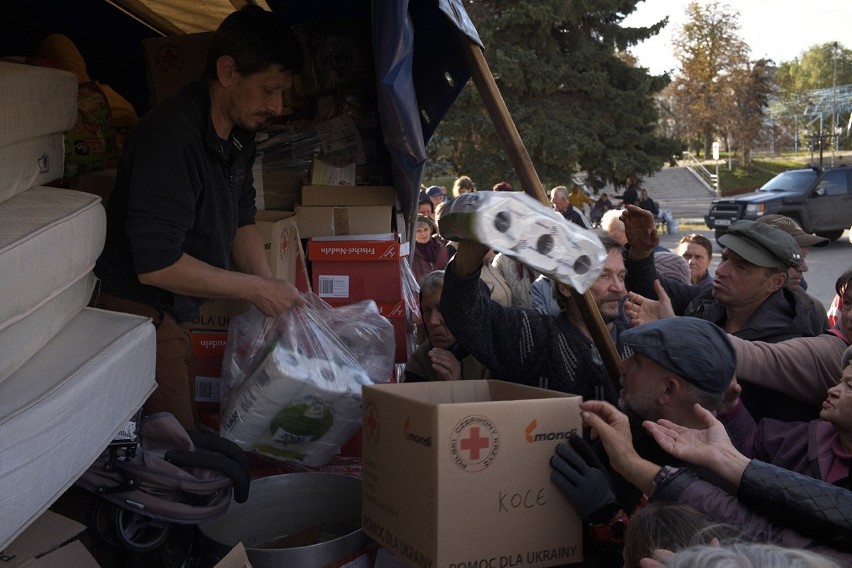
474	443
371	422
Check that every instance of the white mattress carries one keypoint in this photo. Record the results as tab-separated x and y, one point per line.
60	410
35	161
49	238
35	101
23	339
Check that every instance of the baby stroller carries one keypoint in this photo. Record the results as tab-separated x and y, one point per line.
156	474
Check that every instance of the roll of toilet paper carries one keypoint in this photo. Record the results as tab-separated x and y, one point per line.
519	226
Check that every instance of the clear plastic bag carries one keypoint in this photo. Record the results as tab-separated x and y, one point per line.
292	385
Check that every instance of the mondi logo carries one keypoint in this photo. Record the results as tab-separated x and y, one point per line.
533	436
417	439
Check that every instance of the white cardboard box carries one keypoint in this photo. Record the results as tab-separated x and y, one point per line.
457	473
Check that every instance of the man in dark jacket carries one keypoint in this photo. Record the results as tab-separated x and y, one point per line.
183	205
527	346
747	298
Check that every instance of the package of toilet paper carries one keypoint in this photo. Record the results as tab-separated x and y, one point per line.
519	226
302	401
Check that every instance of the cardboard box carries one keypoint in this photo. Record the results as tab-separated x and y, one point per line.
347	271
208	347
45	544
457	474
346	220
279	189
217	313
359	195
173	61
283	246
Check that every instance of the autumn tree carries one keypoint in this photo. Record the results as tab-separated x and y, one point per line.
751	87
568	82
711	57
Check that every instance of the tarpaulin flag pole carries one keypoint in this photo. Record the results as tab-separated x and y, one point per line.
522	164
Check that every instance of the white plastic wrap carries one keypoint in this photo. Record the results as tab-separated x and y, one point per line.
519	226
292	384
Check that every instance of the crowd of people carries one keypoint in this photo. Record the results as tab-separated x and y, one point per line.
727	435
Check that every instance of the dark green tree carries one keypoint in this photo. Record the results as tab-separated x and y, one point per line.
569	83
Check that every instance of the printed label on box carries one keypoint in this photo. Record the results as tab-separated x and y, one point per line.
333	286
353	250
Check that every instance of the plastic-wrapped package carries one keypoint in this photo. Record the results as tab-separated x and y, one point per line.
292	384
521	227
365	333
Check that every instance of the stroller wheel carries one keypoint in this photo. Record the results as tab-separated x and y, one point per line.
139	533
100	523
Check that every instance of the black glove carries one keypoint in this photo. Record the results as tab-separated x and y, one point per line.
579	474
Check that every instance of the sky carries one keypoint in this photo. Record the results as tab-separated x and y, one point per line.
778	29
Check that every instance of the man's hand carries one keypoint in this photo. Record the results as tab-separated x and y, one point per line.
640	309
272	296
613	428
468	257
445	364
710	447
583	479
640	230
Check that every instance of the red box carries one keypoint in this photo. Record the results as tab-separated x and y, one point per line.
209	349
348	271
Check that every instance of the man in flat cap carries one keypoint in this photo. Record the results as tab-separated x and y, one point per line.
677	362
747	297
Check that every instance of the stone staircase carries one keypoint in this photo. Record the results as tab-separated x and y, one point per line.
681	191
678	190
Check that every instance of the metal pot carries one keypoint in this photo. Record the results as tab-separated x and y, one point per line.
290	505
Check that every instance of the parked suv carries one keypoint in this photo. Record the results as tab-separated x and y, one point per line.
819	200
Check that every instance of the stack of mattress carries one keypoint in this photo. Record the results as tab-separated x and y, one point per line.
70	376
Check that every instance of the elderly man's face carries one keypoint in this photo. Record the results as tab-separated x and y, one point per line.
738	282
608	290
641	385
559	201
437	331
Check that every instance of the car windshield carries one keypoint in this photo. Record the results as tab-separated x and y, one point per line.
790	181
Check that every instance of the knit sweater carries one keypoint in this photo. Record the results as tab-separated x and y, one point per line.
522	345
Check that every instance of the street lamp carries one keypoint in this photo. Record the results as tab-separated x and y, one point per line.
834	105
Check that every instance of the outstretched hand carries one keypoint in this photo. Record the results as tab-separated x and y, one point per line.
640	230
640	309
709	447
